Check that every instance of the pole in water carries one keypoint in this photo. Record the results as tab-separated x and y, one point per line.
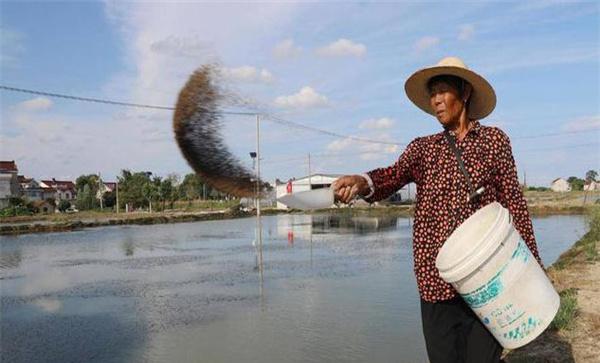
309	179
258	218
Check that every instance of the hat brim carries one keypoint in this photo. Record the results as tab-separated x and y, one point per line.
483	97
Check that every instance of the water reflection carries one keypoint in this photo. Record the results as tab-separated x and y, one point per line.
128	247
305	226
10	259
318	288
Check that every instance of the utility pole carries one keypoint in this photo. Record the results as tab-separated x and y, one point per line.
100	190
258	218
309	172
117	188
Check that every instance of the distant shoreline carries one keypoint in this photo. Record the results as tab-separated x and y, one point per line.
73	222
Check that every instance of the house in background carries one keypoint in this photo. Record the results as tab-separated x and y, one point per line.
32	190
43	206
591	186
109	187
9	182
65	189
317	181
560	185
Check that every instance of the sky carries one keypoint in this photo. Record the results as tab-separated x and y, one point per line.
336	66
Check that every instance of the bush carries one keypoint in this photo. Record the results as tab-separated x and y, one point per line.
16	202
64	205
568	310
14	211
538	189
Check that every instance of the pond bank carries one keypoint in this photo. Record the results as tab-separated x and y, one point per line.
574	334
70	222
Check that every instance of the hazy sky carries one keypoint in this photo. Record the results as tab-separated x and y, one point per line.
340	67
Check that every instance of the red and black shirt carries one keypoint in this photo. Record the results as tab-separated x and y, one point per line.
442	193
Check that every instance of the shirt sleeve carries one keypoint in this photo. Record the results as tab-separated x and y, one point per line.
511	195
388	180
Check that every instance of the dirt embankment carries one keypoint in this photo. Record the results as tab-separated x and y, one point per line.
75	222
540	204
574	335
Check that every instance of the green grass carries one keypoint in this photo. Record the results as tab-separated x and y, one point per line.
587	247
567	312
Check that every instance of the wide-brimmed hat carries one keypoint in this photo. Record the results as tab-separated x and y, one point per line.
483	97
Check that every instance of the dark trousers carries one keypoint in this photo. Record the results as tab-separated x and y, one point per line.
453	333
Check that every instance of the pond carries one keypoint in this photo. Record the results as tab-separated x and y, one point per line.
324	288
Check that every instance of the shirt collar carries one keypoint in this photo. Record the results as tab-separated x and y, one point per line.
475	129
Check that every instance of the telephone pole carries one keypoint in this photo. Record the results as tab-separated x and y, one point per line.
309	172
258	218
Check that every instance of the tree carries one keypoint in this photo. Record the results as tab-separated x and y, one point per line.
63	205
191	187
131	188
150	190
173	180
86	199
166	192
575	183
109	199
591	175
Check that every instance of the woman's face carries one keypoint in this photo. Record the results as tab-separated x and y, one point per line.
446	103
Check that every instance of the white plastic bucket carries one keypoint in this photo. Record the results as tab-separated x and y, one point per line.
491	267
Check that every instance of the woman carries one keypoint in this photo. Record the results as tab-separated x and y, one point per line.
447	194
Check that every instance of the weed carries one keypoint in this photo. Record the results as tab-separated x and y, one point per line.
568	310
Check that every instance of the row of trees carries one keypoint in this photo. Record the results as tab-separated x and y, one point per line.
142	190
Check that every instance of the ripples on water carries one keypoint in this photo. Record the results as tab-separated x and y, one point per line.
332	288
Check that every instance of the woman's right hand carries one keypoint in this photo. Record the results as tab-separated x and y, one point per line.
347	187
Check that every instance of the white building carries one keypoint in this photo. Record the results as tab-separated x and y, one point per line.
317	181
65	189
591	186
560	185
32	190
9	183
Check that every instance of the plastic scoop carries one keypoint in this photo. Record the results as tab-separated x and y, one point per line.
310	199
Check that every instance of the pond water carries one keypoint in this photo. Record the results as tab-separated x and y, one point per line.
330	288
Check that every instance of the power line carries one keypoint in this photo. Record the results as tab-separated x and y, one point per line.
268	117
553	134
99	100
563	147
281	121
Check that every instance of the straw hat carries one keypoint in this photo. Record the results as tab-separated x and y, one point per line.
483	97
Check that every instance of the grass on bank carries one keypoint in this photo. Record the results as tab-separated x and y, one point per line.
586	249
565	317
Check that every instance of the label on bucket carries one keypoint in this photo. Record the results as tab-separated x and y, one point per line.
488	292
506	304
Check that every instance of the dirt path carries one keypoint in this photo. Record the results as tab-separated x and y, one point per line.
578	269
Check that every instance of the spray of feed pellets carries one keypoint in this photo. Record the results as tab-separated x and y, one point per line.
197	124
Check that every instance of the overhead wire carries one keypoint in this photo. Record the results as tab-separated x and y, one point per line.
266	116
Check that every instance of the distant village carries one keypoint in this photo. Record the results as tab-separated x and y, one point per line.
51	195
44	195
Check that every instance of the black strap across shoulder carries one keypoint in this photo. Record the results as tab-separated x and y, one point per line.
461	165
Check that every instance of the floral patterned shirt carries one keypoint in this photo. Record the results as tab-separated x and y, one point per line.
442	193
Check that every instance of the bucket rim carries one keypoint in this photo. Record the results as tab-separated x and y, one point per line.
479	251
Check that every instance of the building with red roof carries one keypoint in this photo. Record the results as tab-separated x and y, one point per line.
65	189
